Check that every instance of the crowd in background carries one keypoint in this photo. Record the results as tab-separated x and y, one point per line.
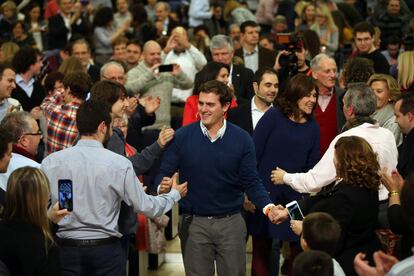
323	89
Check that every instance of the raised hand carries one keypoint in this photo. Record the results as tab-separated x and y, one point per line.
277	176
181	188
165	136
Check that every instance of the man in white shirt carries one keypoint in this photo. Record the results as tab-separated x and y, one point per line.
359	104
180	51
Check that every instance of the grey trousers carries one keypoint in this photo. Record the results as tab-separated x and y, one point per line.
205	240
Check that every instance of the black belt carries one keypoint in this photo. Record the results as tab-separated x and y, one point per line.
86	243
213	216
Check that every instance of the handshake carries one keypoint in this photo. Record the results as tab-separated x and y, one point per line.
168	183
277	214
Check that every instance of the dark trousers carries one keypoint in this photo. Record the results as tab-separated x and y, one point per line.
262	247
99	260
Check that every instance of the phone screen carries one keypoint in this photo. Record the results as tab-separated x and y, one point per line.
165	68
295	212
65	195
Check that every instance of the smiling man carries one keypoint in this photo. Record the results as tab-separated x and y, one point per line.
328	111
7	84
218	161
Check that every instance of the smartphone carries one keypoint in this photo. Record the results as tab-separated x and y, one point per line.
165	68
65	194
294	210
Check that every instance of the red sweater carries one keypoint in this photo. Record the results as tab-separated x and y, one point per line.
327	123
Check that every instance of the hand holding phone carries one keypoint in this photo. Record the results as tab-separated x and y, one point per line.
65	194
294	211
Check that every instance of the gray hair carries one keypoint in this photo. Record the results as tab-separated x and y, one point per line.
314	64
17	123
108	64
221	41
362	99
165	4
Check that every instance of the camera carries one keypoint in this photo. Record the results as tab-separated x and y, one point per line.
291	44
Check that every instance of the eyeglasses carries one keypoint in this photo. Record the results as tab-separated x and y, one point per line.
38	133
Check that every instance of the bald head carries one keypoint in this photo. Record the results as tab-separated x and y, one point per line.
151	53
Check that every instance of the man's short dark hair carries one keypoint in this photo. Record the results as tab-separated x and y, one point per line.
24	58
108	91
321	232
258	76
90	115
364	27
134	42
312	263
248	23
5	138
79	83
407	103
3	68
218	88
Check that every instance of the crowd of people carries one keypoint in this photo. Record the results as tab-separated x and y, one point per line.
234	110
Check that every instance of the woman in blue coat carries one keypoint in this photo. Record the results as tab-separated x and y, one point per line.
286	136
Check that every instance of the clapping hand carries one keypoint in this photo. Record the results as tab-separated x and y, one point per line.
181	188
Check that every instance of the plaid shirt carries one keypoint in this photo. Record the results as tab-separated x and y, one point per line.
61	122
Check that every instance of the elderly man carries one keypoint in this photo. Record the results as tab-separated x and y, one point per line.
162	14
241	78
26	136
328	111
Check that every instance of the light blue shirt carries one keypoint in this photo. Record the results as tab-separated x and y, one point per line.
17	161
101	180
251	60
27	87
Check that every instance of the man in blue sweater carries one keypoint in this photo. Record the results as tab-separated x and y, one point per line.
218	161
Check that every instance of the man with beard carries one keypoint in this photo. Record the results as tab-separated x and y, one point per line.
89	239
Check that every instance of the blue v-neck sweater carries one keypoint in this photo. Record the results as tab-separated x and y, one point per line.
218	173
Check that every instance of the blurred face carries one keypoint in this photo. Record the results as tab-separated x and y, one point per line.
307	103
152	54
217	12
364	42
122	6
7	84
393	50
119	107
37	66
279	27
7	12
301	55
393	7
35	14
267	88
320	18
250	36
381	92
122	125
210	110
310	13
65	6
405	122
32	139
161	12
81	51
265	43
223	55
58	87
234	32
223	75
120	52
114	73
5	160
133	53
326	73
18	31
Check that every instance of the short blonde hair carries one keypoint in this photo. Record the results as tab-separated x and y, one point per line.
405	66
392	85
323	10
9	49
